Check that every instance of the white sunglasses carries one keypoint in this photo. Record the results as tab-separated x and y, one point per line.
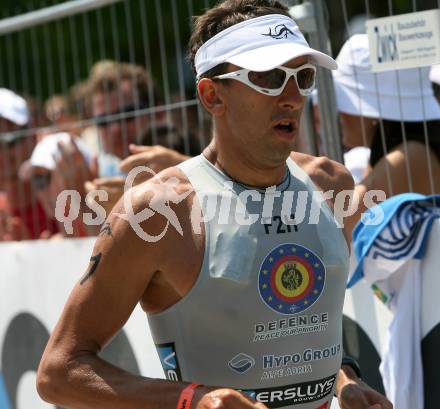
272	82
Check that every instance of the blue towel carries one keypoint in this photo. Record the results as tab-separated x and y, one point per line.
402	233
4	400
389	256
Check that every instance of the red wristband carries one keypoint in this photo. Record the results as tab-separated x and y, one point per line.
186	396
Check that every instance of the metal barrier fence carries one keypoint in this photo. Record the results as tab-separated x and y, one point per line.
52	52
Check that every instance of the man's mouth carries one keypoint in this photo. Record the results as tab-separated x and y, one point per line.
286	126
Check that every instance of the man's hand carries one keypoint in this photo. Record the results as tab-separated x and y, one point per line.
157	158
114	186
353	393
72	169
224	399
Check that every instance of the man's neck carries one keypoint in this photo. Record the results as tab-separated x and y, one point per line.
243	170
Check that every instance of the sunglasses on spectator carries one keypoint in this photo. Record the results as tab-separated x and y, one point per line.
41	181
273	82
107	119
10	139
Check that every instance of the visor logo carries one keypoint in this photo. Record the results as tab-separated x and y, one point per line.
280	31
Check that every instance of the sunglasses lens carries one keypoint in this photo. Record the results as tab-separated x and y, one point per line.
272	79
41	181
306	78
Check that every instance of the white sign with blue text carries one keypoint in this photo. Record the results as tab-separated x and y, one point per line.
404	41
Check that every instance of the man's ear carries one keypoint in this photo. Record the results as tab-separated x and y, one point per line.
210	97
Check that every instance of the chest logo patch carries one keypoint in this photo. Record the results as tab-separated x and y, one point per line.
291	279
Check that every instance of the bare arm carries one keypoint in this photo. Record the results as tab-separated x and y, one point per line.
157	158
390	175
120	274
71	373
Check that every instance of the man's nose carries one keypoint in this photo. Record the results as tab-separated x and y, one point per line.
291	98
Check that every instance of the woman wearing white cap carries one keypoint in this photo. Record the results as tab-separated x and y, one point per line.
21	216
390	112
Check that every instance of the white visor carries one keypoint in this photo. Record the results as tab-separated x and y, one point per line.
258	44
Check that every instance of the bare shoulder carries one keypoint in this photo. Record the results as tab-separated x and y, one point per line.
139	226
165	185
143	229
150	206
327	174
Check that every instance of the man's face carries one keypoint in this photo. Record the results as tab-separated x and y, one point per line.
357	130
116	135
12	154
7	126
47	185
265	127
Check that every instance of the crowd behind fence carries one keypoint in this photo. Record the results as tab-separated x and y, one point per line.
103	86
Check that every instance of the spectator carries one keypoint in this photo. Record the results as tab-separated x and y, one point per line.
118	91
80	103
67	113
386	112
38	118
21	215
57	110
60	162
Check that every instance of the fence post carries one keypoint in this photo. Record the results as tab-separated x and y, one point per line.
310	17
327	98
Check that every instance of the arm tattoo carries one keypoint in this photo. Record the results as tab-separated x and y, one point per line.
96	259
106	229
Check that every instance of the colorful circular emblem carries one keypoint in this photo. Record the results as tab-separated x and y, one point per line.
291	278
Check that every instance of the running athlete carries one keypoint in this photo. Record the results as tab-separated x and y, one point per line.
236	257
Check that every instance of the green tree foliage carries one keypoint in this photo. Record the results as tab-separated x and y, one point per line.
50	58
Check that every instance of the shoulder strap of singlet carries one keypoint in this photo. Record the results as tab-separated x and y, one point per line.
203	175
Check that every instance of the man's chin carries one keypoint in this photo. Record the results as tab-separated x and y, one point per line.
280	153
284	147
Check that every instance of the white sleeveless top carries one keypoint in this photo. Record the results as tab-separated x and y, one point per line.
265	314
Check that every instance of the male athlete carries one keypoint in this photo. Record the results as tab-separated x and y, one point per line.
250	300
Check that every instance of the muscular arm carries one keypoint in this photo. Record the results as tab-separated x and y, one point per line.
122	270
71	374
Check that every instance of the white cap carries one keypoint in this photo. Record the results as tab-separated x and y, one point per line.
399	95
13	107
46	151
434	74
258	44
